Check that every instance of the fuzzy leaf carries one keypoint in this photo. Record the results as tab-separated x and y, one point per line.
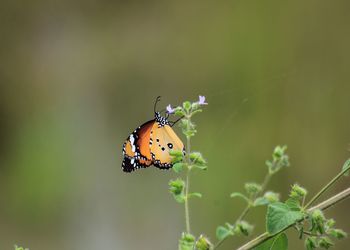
187	106
244	228
177	153
199	195
179	111
311	243
293	204
261	201
201	167
269	197
203	243
325	242
240	195
223	232
318	221
252	188
280	216
338	233
297	192
178	167
187	242
176	187
279	242
197	159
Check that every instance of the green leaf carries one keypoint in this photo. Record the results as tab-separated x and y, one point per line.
201	167
293	204
195	111
176	156
279	242
203	243
318	221
179	111
199	195
279	160
187	106
311	243
261	201
269	197
297	192
243	227
280	216
177	187
178	167
272	196
223	233
252	188
325	242
186	242
197	158
178	153
346	167
240	195
189	133
338	233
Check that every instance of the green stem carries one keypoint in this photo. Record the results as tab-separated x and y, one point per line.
187	213
325	188
188	151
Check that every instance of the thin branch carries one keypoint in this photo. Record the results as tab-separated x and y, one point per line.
322	206
187	187
325	188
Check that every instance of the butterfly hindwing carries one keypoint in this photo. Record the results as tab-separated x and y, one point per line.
136	149
164	139
131	164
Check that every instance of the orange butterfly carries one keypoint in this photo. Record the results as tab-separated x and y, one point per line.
150	144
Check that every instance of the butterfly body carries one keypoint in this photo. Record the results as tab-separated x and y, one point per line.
150	144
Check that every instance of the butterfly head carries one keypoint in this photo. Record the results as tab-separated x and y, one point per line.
161	119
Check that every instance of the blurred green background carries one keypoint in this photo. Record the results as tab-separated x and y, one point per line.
76	77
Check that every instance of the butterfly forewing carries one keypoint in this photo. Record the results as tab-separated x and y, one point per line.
164	139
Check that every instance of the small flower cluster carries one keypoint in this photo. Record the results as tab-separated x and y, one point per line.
320	231
279	160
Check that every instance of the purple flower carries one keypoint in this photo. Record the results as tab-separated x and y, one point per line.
202	100
170	109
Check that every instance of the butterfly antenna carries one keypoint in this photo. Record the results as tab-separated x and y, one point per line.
173	123
155	104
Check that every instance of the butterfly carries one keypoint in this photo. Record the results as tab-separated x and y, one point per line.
151	143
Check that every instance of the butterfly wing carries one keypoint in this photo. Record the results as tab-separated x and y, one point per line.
136	149
164	139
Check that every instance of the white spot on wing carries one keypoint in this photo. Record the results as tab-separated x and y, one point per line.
132	141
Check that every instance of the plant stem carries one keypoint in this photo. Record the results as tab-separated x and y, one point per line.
187	213
322	206
187	186
325	188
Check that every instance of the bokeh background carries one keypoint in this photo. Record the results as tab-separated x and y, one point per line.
76	77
